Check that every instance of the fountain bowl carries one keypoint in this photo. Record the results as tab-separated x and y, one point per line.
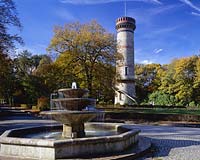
74	103
73	93
70	117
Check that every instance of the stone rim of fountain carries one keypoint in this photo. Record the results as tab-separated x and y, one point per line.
66	148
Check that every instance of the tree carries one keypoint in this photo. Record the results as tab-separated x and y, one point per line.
8	17
29	86
85	46
6	76
161	98
23	63
103	82
196	84
51	74
181	80
148	79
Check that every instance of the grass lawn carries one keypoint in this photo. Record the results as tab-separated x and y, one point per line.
168	111
158	110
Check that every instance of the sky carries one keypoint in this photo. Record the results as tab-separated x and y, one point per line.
165	29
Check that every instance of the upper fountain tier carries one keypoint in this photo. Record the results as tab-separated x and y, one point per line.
73	93
74	104
74	99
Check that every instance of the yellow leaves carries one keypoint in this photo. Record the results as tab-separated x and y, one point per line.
185	67
181	78
81	47
198	69
197	78
82	37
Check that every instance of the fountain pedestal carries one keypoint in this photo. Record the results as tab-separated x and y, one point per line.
73	131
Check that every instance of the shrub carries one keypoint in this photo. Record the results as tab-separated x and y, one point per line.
192	104
43	103
24	106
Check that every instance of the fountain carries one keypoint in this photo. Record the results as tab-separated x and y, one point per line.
75	141
72	113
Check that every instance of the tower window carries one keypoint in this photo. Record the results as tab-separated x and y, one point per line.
120	96
126	71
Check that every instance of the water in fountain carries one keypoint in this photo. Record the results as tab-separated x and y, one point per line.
74	86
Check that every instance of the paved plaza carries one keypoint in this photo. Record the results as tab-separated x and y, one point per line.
170	143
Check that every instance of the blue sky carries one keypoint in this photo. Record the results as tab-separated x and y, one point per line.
165	29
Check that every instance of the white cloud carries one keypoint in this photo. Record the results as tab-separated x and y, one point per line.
146	62
195	14
90	2
158	50
18	50
64	14
139	51
147	17
190	4
163	9
161	31
34	49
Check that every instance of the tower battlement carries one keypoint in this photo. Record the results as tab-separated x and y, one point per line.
125	23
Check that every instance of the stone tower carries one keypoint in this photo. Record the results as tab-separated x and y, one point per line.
125	79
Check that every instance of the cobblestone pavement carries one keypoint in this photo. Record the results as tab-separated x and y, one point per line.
172	143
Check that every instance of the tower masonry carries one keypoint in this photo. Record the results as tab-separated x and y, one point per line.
125	79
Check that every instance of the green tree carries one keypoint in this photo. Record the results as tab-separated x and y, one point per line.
8	17
52	75
161	98
6	76
148	79
23	63
29	86
103	82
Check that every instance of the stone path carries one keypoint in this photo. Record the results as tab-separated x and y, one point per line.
16	119
172	143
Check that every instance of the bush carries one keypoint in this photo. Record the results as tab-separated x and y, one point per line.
192	104
34	107
43	103
24	106
161	98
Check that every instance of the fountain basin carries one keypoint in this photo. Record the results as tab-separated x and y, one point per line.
73	93
70	117
74	103
73	121
12	145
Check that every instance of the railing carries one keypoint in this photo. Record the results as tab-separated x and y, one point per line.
127	95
